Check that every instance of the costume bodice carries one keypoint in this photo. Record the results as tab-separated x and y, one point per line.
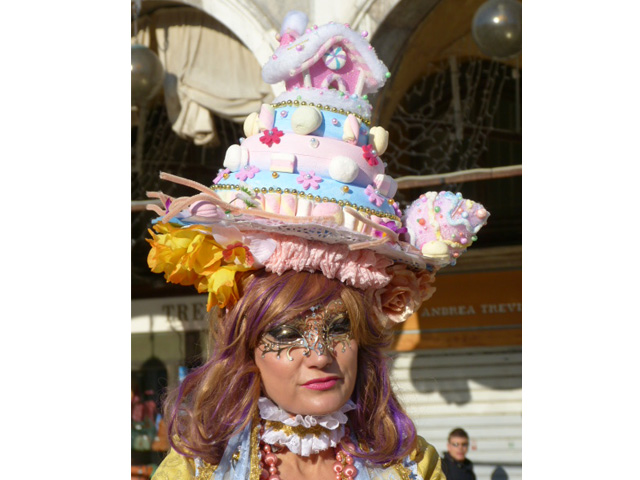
241	457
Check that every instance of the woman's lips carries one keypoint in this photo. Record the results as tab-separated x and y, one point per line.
321	383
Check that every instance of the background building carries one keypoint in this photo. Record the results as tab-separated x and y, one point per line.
448	108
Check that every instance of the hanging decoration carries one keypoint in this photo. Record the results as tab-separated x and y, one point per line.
147	75
497	28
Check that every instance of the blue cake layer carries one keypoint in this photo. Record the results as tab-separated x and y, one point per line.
328	190
328	128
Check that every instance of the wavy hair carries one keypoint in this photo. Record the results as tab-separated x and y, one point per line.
218	399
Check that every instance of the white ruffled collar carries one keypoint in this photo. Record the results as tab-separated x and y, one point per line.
303	443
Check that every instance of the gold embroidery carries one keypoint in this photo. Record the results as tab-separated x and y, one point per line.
404	472
234	458
205	471
299	430
255	471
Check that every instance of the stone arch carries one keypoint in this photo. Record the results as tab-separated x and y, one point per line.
416	32
247	22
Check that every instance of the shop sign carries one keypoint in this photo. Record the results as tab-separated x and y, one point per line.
467	310
169	314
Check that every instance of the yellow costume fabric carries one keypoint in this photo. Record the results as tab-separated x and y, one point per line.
177	467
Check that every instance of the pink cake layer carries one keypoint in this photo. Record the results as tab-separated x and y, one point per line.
313	159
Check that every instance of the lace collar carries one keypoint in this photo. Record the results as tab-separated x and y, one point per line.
302	435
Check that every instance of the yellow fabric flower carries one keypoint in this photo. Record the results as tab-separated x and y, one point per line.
190	256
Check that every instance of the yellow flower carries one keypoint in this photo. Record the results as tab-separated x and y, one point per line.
237	253
222	286
190	256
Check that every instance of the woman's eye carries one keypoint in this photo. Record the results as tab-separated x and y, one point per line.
340	327
284	334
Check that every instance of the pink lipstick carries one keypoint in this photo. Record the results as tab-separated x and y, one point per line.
321	383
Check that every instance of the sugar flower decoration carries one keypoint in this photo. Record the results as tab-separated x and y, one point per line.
370	155
309	179
391	225
248	171
374	195
269	137
221	174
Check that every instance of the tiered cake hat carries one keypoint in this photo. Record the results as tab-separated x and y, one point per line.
307	189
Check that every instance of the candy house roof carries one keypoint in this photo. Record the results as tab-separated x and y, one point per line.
299	55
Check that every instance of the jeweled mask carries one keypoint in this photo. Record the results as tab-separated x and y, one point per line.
323	329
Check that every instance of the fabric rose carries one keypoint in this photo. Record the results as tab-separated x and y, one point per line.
425	284
402	296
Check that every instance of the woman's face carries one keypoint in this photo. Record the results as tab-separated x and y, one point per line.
309	364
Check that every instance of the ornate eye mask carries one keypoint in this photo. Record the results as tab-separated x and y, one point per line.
322	329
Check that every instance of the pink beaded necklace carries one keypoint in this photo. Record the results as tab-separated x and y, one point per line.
343	466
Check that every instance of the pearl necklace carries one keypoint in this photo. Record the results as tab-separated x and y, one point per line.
343	466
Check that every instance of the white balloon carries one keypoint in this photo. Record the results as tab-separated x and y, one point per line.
497	28
147	74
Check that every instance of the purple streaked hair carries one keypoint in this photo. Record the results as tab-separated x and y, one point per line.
203	418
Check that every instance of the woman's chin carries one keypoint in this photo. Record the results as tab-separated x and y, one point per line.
318	406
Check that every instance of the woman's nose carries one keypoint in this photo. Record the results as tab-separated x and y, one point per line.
319	356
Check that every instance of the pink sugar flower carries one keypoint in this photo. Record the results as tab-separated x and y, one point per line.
269	137
374	196
370	155
248	171
221	175
309	179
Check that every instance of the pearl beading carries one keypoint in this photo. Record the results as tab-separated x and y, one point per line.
343	467
327	108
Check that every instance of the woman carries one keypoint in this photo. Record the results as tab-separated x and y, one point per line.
302	364
302	246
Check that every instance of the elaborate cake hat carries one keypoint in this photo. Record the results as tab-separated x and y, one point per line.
307	189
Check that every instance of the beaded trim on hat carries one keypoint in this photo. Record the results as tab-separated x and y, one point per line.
328	108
